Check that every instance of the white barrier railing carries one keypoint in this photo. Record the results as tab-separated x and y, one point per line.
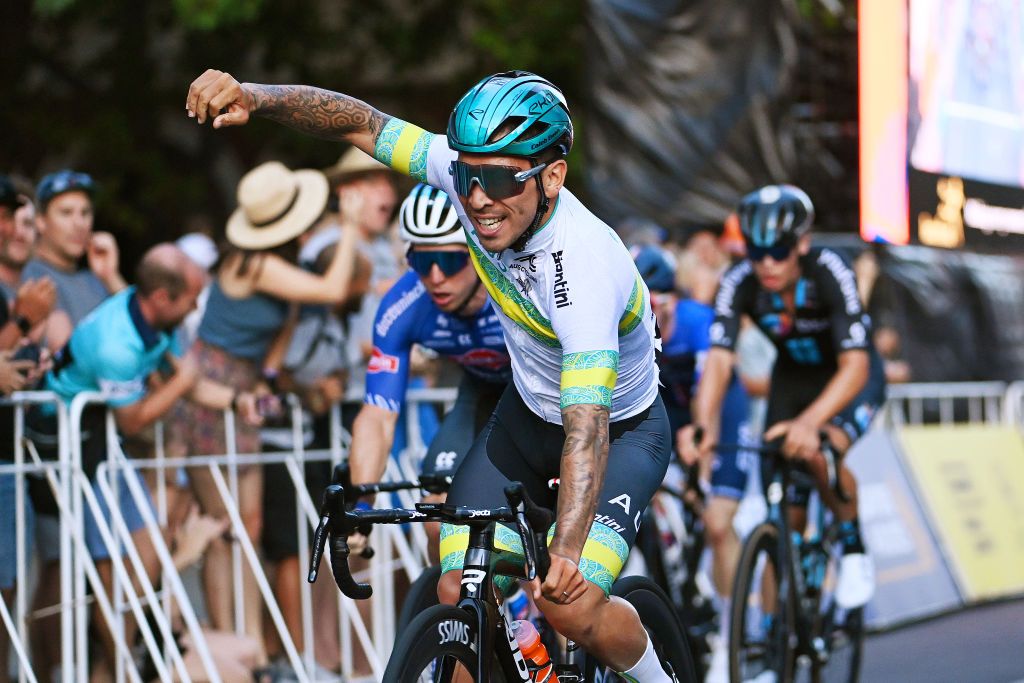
1013	406
397	549
75	493
946	403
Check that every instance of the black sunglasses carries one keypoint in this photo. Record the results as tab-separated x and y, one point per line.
450	262
497	182
778	252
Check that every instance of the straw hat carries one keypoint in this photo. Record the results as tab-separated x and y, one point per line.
276	205
354	162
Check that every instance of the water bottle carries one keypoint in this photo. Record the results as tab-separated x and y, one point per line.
537	659
518	605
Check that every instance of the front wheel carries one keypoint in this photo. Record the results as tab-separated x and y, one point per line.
663	628
843	634
436	643
760	624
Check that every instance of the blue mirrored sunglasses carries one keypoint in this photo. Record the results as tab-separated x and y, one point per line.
450	262
778	252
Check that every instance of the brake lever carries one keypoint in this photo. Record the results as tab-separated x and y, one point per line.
534	522
336	525
514	494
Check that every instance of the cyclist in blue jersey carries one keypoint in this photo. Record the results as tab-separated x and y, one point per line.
583	404
828	375
441	305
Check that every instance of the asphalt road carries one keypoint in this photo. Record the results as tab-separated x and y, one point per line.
979	645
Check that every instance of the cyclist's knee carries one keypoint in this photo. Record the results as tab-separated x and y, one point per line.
448	587
718	521
578	620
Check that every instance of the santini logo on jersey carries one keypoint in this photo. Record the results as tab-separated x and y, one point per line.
382	362
561	285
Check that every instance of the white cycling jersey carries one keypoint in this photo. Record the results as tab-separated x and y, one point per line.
576	314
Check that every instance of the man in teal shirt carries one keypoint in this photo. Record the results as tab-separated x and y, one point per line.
116	349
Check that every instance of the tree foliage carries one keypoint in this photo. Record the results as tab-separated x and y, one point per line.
100	85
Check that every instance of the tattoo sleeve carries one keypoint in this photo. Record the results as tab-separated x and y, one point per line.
584	457
316	111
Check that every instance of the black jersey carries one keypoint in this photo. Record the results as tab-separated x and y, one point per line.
828	317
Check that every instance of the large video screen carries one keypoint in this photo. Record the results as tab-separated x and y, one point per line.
966	91
942	122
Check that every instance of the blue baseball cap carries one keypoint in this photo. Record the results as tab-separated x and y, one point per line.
60	182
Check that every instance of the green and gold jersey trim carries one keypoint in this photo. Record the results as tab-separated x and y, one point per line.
589	377
636	306
521	310
404	147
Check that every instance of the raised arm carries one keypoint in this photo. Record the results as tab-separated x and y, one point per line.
219	96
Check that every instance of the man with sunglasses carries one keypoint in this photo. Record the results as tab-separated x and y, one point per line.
827	376
577	318
439	304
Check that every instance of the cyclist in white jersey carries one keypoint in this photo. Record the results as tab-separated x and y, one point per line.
577	321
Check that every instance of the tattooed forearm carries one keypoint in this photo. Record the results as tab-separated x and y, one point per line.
584	457
315	111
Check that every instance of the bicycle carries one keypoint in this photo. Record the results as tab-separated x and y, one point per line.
784	619
474	633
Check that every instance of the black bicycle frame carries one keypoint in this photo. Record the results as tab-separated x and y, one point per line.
481	563
789	563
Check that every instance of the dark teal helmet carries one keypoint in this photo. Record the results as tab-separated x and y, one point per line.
775	214
531	106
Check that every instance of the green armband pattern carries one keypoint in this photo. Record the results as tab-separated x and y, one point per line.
404	147
589	377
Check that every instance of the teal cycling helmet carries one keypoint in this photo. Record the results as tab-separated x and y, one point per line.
775	214
533	107
531	117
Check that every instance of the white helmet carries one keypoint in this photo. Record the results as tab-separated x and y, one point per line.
428	217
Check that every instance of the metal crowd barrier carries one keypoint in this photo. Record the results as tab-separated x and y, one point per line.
396	549
946	403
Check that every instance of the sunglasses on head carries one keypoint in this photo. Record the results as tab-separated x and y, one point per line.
778	252
450	262
497	182
66	181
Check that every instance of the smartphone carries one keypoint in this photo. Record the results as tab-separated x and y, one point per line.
27	352
269	405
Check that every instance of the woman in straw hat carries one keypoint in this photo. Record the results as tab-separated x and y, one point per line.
256	286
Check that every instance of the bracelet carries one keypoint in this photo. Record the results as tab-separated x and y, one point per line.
234	401
23	324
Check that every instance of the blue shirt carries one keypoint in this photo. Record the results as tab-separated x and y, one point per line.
407	316
244	327
113	350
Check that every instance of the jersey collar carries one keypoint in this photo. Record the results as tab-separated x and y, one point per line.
149	335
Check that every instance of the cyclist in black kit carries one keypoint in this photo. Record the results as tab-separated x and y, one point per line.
828	375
